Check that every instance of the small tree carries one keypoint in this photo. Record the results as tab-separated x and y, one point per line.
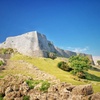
52	55
98	62
79	64
64	66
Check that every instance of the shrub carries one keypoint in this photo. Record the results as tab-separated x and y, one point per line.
45	85
52	55
80	64
26	97
64	66
6	50
81	75
30	83
33	83
1	63
10	50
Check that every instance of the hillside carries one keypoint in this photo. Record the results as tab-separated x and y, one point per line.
50	66
38	71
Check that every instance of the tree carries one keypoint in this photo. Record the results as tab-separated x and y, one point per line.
79	64
98	62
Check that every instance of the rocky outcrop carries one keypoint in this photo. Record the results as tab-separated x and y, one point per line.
16	88
83	90
95	96
35	44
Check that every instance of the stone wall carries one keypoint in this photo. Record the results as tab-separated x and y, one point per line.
35	44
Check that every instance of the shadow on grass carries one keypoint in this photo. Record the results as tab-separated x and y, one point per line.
92	77
95	69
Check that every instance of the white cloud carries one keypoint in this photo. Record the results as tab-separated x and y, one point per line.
78	49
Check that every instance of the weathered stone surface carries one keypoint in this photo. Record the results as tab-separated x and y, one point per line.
95	96
83	90
59	91
1	59
24	88
75	97
18	98
35	44
12	95
2	90
9	89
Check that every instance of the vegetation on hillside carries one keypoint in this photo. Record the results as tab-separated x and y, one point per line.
1	97
50	66
44	84
26	97
6	50
79	64
52	55
64	66
1	63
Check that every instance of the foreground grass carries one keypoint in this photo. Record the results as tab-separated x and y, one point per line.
50	66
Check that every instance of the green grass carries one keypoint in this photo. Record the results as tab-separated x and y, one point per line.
1	76
50	66
92	77
14	68
1	63
33	83
26	97
1	97
44	84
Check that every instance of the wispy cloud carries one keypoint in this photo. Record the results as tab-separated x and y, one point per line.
78	49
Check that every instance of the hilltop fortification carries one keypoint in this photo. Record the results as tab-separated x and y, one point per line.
35	44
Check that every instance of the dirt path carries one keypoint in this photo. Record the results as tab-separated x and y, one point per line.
27	69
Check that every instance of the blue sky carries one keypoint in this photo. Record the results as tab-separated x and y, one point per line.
70	24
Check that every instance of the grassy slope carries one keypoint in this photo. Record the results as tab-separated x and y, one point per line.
16	67
50	66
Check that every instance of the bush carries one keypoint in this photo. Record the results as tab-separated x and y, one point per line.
3	51
30	83
80	64
33	83
64	66
45	85
81	75
6	50
1	63
26	97
52	55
